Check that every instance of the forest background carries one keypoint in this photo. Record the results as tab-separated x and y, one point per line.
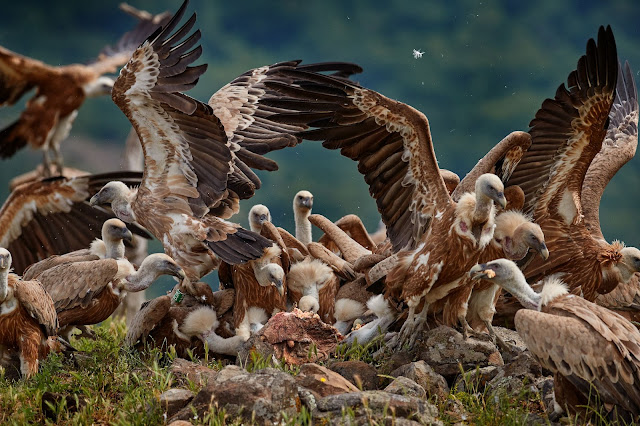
486	68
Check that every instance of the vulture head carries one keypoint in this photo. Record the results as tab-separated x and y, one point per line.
630	262
491	187
5	259
527	235
114	230
99	87
308	304
117	194
258	215
303	201
271	274
507	275
151	268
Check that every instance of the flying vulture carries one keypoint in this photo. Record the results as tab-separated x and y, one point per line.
586	346
198	157
27	317
567	134
52	216
60	91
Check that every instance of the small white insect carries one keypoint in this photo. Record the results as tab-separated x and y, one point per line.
417	54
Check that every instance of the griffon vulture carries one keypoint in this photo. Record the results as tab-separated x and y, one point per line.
198	157
60	91
302	205
584	344
27	317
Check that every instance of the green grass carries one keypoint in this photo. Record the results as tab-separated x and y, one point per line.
111	385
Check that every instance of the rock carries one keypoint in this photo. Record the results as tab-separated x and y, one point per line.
444	349
422	373
263	396
359	373
395	361
405	386
228	372
475	380
51	401
296	337
322	381
513	377
186	371
376	404
180	423
174	399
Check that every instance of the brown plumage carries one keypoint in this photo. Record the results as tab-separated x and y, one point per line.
27	317
567	134
52	216
589	346
60	91
198	158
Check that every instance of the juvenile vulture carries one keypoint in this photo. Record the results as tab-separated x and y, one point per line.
584	344
567	133
52	216
88	292
198	157
27	317
302	205
60	91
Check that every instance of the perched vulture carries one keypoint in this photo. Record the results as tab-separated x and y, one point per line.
52	216
302	205
258	215
27	317
199	165
88	292
586	346
567	133
60	91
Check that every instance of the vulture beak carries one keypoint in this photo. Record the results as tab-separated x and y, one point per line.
4	261
95	200
481	271
127	235
543	251
279	286
263	218
306	202
177	272
502	200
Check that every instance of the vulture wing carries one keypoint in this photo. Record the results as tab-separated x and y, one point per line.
18	75
34	270
391	142
53	216
146	319
76	284
501	160
38	304
567	133
618	148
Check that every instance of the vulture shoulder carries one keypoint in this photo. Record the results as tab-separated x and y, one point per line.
37	302
149	315
35	269
76	284
501	160
618	147
52	216
390	141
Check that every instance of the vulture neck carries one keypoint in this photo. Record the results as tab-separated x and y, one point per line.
4	284
303	226
142	278
114	248
483	210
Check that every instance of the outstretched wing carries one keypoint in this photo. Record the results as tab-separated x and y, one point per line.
17	75
567	133
391	142
52	216
501	160
618	148
114	56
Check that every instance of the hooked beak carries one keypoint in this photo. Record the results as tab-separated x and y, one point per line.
263	218
279	286
127	235
306	202
502	200
544	251
4	262
480	271
177	272
95	200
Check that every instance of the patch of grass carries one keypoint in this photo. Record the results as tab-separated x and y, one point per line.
358	352
258	361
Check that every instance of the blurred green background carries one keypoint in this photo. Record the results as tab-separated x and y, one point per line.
487	67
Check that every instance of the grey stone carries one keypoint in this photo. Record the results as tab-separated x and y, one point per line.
186	371
405	386
322	381
175	399
422	373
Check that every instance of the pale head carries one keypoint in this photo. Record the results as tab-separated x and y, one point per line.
303	201
507	275
308	304
490	186
258	215
115	230
527	236
272	274
5	259
98	87
630	262
109	193
160	264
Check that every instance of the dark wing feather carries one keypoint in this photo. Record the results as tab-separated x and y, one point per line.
146	319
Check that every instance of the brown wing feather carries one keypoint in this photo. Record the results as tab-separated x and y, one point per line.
146	319
618	147
391	142
17	74
38	303
341	267
34	270
270	231
501	160
75	284
567	133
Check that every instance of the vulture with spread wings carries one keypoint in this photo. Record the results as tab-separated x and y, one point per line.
198	158
60	91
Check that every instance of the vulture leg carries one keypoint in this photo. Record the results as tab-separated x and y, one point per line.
28	356
466	328
46	163
86	333
419	324
57	159
497	340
